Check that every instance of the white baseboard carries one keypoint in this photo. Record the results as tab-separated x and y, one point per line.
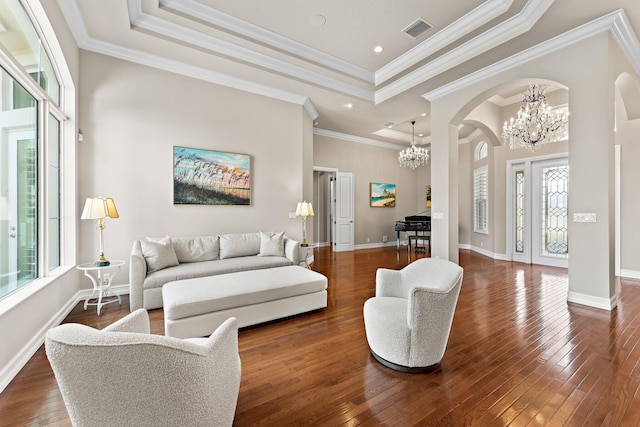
482	251
631	274
591	301
379	245
9	372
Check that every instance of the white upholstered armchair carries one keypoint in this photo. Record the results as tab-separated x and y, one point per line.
122	375
408	321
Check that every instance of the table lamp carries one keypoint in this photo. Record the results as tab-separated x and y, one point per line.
304	210
98	208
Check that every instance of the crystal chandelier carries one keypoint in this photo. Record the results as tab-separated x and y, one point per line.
413	156
536	123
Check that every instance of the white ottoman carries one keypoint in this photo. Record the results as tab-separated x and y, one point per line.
196	307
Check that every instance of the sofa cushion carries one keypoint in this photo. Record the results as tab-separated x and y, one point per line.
212	268
239	245
196	249
158	254
271	244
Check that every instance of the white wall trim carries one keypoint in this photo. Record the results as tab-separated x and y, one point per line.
629	274
501	33
479	16
234	25
139	19
591	301
483	251
9	372
358	139
381	245
616	22
76	24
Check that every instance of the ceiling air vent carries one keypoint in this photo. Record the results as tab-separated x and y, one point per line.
417	28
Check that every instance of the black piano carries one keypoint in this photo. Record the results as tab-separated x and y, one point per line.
419	224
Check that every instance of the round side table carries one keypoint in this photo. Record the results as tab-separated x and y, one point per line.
101	277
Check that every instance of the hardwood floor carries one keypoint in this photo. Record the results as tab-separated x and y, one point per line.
518	355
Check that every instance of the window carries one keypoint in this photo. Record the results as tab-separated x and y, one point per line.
480	202
30	130
481	151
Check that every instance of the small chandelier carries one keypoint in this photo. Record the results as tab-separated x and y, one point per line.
413	156
536	123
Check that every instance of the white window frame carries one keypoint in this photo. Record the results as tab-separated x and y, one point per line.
482	151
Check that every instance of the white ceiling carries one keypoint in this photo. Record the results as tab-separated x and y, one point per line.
272	48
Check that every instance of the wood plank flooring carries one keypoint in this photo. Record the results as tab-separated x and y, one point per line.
518	355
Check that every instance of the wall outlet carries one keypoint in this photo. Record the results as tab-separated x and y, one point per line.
292	215
368	240
385	239
437	215
106	277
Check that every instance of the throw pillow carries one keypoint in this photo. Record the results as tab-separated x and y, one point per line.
271	244
237	245
159	254
196	249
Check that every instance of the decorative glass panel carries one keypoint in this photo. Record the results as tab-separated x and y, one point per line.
555	213
519	214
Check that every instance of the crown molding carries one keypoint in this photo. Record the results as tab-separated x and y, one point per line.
138	18
615	22
476	18
358	139
402	136
76	24
310	109
501	33
262	36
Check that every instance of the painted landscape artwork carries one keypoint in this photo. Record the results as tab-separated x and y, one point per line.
205	177
383	195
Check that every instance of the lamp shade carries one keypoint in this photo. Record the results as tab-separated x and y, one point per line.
304	209
96	208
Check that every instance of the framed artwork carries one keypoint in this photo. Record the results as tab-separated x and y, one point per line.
427	202
206	177
382	195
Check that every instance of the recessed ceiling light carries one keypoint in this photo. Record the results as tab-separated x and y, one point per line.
423	114
421	134
378	49
317	20
349	105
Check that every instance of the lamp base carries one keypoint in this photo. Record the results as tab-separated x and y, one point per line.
102	261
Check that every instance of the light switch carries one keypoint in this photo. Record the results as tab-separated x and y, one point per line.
292	215
584	217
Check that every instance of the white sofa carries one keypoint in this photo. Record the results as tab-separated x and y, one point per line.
157	261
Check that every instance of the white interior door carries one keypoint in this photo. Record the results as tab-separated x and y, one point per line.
343	218
539	213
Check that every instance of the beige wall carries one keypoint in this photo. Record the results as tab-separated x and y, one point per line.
132	116
374	164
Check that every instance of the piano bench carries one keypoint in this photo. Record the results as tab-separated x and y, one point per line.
417	239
